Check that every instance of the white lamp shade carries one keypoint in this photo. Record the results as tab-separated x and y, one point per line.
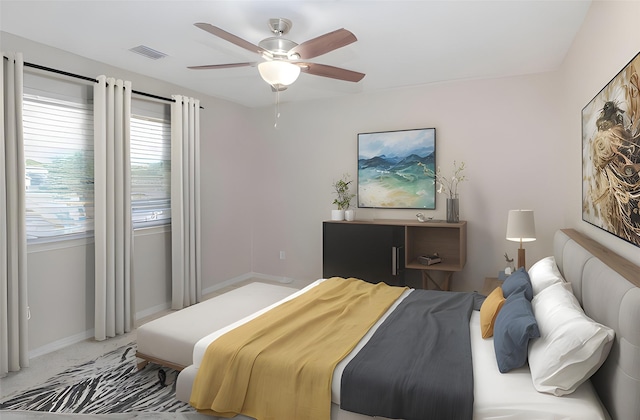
521	226
278	72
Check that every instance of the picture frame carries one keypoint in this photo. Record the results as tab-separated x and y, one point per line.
389	174
611	156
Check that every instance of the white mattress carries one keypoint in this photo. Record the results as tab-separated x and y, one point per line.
173	337
496	395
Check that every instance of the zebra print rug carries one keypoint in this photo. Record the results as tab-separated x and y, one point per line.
109	384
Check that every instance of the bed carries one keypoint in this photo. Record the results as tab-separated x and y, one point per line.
604	284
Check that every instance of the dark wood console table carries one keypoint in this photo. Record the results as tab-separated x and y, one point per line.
379	250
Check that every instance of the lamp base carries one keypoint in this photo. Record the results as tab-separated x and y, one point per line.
521	260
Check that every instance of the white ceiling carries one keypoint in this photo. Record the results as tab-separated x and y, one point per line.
400	43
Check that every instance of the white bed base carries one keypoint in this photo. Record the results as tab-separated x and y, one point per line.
169	340
607	287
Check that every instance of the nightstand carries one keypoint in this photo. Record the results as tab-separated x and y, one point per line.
490	283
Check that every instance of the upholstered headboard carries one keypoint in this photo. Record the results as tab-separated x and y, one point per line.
608	287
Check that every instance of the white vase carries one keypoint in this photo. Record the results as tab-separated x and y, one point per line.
350	215
337	214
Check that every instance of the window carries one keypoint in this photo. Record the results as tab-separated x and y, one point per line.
58	143
150	164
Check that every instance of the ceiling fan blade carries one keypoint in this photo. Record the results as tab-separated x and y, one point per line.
221	33
330	71
323	44
221	66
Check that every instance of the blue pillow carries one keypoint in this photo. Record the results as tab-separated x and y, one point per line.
519	280
515	325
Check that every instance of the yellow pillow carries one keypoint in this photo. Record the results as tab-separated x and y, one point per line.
489	311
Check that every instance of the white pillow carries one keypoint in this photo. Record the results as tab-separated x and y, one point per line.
571	346
543	274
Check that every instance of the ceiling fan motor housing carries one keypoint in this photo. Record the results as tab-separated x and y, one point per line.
277	46
280	26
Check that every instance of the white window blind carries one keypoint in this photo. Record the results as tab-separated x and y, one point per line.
58	142
58	136
150	165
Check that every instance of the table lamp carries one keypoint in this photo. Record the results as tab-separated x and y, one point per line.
521	228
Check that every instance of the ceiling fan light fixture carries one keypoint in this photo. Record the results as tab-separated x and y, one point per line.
278	73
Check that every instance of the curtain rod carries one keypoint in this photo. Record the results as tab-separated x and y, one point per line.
91	79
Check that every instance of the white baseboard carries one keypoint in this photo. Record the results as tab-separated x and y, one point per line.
279	279
152	311
60	344
245	277
226	283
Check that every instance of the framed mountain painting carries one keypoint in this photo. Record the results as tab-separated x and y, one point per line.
389	174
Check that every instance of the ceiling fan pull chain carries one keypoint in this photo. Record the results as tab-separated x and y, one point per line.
277	111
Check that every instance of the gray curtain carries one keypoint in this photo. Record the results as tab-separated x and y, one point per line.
14	311
113	229
185	202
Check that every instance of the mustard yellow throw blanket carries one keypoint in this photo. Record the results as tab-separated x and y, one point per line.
279	366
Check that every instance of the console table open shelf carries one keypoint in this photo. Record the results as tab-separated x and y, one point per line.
414	238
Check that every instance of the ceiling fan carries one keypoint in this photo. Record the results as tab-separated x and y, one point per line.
283	58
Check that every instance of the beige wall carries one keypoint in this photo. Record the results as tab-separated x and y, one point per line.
507	132
267	190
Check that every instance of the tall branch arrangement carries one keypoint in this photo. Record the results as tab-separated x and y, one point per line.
448	185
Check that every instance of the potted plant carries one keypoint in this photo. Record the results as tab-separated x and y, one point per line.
344	196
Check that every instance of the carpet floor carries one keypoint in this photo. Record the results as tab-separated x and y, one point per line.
110	384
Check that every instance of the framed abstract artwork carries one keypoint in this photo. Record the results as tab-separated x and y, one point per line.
389	174
611	156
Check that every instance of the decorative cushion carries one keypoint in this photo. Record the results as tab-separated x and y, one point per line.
489	311
571	346
515	325
517	281
543	274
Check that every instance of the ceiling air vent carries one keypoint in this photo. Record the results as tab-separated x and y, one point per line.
148	52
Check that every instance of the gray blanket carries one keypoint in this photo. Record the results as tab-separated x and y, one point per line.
418	363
